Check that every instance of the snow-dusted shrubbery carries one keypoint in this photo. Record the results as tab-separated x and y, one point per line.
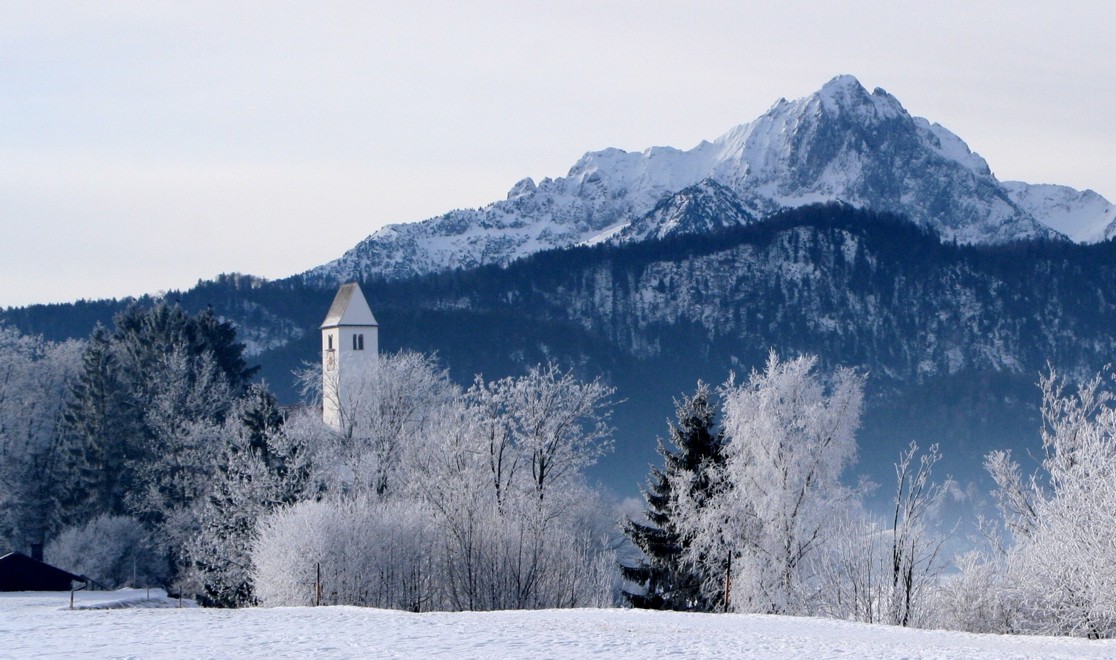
434	498
115	551
1056	572
369	553
978	598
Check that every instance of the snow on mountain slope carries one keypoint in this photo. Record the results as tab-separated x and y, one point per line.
1083	216
840	143
701	208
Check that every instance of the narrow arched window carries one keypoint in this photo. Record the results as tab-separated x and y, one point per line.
360	342
329	340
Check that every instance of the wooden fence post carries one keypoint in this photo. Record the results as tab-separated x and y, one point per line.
728	583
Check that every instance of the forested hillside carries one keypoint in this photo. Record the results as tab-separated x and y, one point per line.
952	337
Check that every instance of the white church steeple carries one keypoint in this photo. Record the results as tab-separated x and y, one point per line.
350	342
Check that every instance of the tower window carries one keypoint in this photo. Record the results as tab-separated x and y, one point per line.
358	342
329	340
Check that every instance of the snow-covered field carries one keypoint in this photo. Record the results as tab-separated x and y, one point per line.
123	624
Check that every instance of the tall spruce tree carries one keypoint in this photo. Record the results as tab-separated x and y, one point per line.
98	421
661	581
140	422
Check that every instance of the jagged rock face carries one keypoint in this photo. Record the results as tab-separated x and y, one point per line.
700	209
864	149
840	144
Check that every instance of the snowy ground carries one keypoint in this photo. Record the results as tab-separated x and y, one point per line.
124	624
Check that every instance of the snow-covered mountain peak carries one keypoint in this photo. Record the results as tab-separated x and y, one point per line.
839	143
701	208
1083	216
522	188
845	95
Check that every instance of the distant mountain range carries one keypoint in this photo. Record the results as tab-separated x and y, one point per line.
839	144
836	224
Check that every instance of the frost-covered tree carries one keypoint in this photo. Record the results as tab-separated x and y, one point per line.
519	528
114	551
260	468
790	435
661	579
384	411
476	500
559	423
915	547
99	422
183	420
1062	566
493	429
142	418
885	570
1050	567
33	378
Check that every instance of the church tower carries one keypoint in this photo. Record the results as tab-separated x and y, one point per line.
350	342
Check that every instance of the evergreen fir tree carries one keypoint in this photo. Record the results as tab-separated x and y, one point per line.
661	581
98	422
142	420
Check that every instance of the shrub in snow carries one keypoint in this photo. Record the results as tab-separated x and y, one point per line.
523	557
1061	570
977	598
371	554
116	551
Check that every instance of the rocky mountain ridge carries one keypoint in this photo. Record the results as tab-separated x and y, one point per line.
841	143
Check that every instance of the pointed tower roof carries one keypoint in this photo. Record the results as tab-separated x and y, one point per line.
349	308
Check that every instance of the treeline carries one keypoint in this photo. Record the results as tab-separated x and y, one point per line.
144	455
753	515
111	445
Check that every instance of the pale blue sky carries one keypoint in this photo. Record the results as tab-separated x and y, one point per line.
146	145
